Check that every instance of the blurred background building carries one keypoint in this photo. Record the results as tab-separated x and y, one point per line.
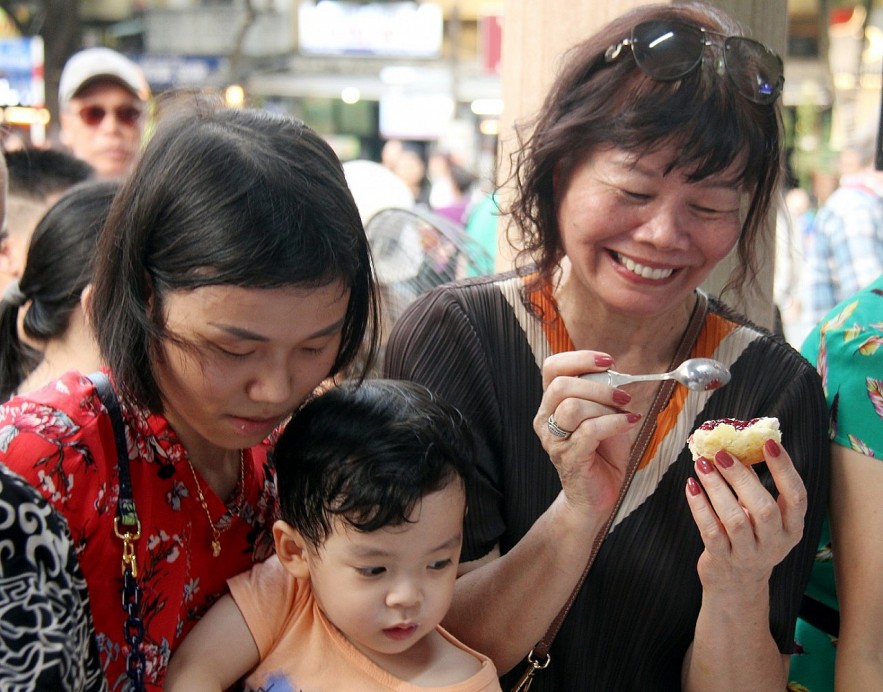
427	73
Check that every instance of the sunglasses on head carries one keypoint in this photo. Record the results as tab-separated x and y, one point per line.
666	50
93	116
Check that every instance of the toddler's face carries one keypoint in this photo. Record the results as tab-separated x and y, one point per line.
386	590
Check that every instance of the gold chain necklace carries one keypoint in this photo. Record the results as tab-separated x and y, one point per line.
216	532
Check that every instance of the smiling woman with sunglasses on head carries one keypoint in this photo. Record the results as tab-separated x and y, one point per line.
656	153
232	277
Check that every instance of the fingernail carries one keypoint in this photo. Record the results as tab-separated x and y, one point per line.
693	486
723	459
620	397
704	465
603	361
772	448
633	417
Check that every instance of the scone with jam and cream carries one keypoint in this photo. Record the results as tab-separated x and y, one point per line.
741	439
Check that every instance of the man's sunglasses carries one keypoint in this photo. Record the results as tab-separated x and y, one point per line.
667	50
93	116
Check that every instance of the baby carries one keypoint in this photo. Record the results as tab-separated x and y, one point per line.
371	487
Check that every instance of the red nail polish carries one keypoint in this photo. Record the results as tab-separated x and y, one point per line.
633	417
620	397
693	486
772	448
704	465
723	459
603	361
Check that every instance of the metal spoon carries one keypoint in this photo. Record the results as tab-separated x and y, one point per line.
700	374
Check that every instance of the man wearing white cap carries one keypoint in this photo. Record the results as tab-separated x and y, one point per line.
102	98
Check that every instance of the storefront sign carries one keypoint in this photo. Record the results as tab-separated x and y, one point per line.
21	72
381	29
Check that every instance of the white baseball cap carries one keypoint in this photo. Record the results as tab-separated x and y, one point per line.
100	64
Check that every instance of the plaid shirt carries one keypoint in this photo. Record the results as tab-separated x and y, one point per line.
845	251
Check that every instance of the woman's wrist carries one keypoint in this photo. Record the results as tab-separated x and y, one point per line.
737	601
574	518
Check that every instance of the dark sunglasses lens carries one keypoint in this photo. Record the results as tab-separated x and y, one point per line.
128	115
667	50
92	115
755	70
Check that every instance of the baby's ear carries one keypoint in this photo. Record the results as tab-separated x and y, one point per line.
291	549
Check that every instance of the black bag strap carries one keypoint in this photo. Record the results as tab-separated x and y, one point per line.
126	505
821	616
127	528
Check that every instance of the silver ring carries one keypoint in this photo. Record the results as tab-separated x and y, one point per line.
555	430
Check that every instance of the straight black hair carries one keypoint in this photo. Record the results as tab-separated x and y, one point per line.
58	267
226	196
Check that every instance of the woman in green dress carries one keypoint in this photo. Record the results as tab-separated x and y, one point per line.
847	349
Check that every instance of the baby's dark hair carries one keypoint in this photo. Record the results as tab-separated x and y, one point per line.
367	454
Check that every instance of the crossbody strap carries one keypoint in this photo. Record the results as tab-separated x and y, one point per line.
126	505
820	615
538	659
127	528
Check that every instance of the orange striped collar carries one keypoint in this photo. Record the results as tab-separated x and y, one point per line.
713	333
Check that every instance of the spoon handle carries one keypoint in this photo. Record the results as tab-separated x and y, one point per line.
614	379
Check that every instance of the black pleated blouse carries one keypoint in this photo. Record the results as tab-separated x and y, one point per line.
477	344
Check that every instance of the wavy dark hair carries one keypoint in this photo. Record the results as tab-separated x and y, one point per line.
226	196
59	264
367	453
594	104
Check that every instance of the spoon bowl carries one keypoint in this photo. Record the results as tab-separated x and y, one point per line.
698	374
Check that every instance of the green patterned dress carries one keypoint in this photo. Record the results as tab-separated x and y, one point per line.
847	349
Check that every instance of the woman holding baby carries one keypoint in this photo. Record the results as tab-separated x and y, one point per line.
656	153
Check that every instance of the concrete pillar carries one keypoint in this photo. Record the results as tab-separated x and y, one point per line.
537	33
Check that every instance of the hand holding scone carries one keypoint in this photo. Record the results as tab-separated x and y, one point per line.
746	530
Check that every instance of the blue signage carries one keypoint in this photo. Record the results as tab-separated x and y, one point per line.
21	72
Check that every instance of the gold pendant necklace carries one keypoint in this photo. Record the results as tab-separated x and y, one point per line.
216	532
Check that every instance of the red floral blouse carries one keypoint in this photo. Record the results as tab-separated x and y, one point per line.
61	440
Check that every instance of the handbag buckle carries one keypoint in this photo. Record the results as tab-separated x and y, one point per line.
526	679
130	561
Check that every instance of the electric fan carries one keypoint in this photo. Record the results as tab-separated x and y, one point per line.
413	248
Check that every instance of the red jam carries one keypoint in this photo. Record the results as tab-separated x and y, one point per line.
737	424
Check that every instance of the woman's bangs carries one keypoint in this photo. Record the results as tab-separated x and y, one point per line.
708	139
